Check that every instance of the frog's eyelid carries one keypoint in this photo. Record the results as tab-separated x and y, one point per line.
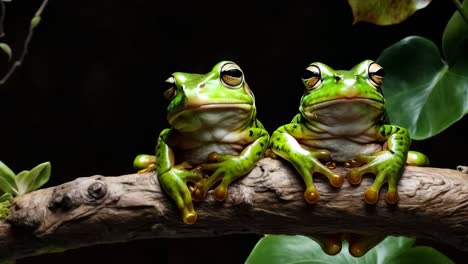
170	80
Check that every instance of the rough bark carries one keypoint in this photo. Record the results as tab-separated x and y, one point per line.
94	210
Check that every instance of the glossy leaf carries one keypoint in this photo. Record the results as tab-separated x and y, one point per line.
7	180
6	49
455	38
385	12
421	254
424	93
28	181
22	181
300	249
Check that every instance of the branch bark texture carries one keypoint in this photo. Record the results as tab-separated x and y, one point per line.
95	210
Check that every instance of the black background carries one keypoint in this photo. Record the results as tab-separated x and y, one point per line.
87	97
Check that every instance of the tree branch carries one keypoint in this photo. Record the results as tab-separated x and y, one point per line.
96	210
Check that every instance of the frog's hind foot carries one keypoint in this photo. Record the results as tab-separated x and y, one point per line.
199	191
330	243
148	169
416	158
144	163
359	244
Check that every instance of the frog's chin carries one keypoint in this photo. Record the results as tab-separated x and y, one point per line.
378	105
218	114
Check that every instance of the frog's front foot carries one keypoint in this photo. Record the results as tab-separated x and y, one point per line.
226	168
174	183
387	167
311	164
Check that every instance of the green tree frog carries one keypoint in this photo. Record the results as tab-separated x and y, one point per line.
342	119
213	129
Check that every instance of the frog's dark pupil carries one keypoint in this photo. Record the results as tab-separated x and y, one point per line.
167	85
233	73
307	74
380	72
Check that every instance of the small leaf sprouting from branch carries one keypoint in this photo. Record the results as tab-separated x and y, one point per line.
35	21
28	181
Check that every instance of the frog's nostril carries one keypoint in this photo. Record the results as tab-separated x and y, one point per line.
337	78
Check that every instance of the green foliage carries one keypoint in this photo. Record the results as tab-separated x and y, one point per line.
384	12
26	181
425	93
300	249
455	36
4	209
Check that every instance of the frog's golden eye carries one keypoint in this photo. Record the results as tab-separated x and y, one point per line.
231	75
376	74
312	77
170	88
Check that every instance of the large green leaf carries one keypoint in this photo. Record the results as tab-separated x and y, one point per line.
455	38
421	254
424	93
385	12
300	249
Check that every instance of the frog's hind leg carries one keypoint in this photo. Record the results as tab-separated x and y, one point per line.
144	163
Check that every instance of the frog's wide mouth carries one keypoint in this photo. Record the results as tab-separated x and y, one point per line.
371	102
221	107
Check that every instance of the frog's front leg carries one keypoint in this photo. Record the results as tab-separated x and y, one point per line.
228	168
284	143
387	165
173	179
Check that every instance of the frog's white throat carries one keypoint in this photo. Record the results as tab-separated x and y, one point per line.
344	116
212	116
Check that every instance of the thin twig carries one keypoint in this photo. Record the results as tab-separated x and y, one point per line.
2	18
19	61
